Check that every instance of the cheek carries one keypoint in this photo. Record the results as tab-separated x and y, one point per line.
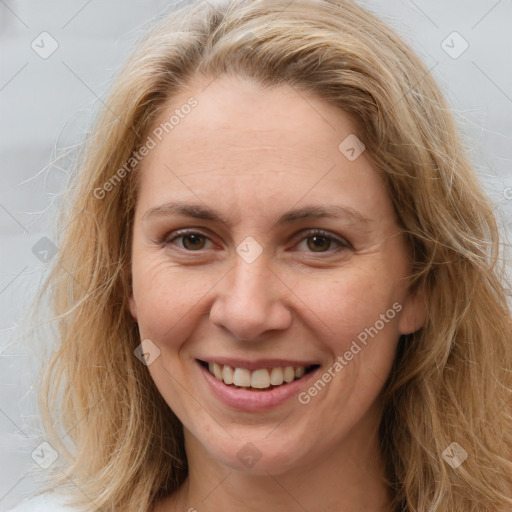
161	295
352	299
170	299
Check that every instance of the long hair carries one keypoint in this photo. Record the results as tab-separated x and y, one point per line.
121	446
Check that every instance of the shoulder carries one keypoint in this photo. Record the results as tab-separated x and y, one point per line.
42	503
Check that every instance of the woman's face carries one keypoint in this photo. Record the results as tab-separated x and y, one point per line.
227	268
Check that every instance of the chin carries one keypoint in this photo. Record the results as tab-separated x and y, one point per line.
258	456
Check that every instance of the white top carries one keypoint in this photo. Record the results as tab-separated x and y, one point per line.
42	503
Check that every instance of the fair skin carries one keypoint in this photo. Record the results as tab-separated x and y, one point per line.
253	154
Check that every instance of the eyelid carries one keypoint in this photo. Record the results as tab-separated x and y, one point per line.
167	239
343	243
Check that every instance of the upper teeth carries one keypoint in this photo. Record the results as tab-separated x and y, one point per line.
259	379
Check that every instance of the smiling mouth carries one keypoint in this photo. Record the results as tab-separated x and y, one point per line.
263	379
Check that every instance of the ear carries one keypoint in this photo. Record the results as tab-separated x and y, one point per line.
414	313
133	307
128	285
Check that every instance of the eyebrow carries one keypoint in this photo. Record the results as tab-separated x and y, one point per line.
198	211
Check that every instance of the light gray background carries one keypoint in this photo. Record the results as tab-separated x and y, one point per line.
47	104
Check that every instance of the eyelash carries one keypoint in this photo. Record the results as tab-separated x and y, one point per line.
342	243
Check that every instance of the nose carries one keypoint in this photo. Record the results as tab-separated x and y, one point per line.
251	301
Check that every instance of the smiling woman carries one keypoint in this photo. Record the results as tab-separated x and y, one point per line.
291	298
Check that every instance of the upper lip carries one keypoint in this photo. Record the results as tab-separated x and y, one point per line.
256	364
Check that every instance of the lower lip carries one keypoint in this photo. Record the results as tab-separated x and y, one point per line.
247	400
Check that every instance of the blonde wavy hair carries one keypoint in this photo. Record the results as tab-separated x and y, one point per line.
451	380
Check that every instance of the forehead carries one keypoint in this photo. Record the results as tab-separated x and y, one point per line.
235	114
242	143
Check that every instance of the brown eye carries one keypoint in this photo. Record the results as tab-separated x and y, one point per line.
189	241
319	243
193	241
